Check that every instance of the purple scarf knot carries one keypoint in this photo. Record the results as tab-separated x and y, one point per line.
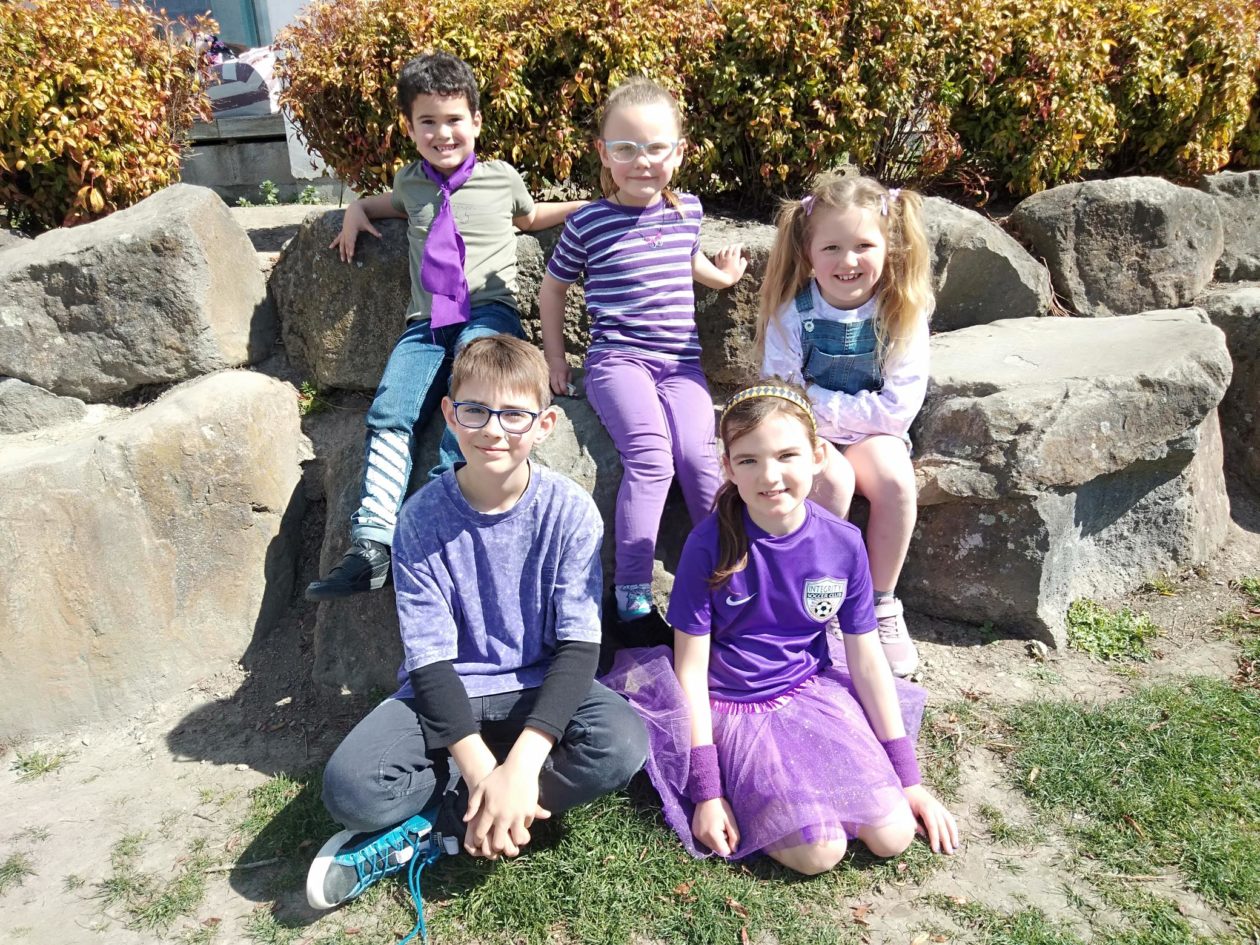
442	264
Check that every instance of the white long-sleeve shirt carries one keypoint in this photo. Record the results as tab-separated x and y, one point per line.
846	418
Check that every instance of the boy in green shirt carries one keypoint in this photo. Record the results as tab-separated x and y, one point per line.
462	219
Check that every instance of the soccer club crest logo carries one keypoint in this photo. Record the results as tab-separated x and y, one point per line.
823	597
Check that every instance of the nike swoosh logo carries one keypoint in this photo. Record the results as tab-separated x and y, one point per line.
732	602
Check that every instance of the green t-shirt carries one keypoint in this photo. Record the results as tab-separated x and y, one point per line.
484	208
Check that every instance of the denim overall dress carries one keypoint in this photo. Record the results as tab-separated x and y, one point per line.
839	356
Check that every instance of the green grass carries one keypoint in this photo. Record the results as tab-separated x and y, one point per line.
1165	779
14	870
36	764
614	870
1154	922
1250	586
602	873
1161	585
946	730
1044	674
152	903
1004	833
1109	635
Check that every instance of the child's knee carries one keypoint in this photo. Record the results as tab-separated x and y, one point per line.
891	839
348	793
816	858
627	751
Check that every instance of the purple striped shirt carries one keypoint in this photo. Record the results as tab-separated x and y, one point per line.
637	261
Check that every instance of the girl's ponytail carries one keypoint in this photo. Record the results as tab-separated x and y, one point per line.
905	291
787	270
732	538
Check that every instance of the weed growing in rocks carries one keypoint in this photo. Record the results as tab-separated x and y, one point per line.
1109	635
309	400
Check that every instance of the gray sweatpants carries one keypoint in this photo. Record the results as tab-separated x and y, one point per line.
382	773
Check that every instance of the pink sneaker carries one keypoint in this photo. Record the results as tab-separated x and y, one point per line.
899	649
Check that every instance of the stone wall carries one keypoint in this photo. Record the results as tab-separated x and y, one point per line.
1056	456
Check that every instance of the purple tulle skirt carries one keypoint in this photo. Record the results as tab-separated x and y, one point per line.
804	767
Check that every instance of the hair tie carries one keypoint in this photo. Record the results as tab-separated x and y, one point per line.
893	194
807	204
771	390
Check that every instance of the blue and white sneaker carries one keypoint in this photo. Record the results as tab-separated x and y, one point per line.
350	862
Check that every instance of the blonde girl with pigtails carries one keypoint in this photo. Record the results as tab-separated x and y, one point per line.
844	313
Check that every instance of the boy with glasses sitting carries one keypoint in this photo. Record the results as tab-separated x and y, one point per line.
499	720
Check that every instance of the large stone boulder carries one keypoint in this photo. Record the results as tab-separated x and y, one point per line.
10	238
1237	196
356	640
1123	246
160	292
142	551
1061	458
340	321
1235	309
25	407
979	273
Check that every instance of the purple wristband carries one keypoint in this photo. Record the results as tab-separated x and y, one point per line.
904	764
704	780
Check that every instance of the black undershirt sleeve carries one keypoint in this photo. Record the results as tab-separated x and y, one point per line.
442	704
567	683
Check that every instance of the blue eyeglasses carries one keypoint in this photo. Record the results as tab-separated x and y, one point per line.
474	416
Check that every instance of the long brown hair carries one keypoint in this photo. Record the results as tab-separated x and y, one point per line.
904	292
637	90
742	416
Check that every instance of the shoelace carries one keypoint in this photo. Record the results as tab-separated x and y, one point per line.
418	863
378	863
888	630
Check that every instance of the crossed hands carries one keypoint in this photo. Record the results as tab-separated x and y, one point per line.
502	806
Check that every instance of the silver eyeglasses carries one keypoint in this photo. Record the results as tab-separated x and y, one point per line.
623	152
474	416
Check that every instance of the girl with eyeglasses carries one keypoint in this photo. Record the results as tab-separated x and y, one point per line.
639	250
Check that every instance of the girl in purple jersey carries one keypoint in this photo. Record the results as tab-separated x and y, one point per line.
844	312
639	248
759	742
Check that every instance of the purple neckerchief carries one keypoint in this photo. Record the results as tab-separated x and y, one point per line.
442	266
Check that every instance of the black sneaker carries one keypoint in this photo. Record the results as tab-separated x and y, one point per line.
365	567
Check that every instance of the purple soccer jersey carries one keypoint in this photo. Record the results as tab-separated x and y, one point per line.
769	621
637	262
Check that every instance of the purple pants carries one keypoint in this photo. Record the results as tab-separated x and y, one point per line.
659	414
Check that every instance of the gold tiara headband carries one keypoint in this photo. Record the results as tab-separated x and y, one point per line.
770	390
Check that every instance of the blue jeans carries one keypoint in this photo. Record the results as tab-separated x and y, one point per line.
416	378
382	772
